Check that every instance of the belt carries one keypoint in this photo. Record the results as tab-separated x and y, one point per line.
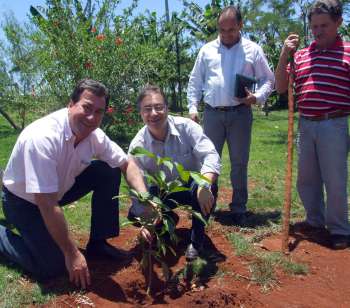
326	116
223	108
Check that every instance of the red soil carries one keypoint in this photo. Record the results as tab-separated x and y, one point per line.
116	285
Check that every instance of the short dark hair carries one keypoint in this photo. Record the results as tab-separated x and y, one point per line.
331	7
232	9
96	87
148	90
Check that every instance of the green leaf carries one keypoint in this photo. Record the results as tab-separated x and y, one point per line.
172	250
169	224
127	223
184	174
151	179
168	164
162	176
200	179
163	249
173	184
196	214
178	189
140	152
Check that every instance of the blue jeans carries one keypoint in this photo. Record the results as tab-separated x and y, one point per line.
235	127
34	249
323	168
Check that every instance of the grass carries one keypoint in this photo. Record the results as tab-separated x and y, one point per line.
266	195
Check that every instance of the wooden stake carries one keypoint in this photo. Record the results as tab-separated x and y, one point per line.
289	165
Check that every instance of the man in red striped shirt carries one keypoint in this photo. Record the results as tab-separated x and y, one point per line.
321	75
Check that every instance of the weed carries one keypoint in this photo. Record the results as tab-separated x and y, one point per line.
241	245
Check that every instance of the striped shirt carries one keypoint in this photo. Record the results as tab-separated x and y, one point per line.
322	79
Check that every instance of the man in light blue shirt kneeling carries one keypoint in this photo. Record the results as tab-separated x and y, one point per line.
185	142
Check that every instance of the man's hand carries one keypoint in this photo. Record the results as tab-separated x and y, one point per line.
150	214
78	270
146	235
290	44
205	199
194	117
249	100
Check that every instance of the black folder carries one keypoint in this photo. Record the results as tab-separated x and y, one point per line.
244	82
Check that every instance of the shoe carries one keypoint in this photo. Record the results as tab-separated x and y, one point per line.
239	219
192	253
339	241
305	227
105	250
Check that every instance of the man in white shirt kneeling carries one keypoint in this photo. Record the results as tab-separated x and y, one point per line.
52	165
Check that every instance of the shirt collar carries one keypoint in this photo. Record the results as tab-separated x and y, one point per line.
68	134
338	43
172	130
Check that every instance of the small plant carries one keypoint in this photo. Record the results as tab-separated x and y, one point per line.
159	222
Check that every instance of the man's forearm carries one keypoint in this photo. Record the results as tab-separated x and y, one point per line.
133	175
56	224
281	74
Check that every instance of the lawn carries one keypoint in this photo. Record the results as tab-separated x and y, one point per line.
266	184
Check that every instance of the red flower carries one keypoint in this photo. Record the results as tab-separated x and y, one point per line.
131	122
100	37
110	110
118	41
88	65
93	30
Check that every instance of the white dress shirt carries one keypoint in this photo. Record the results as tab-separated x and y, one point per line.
215	69
185	143
44	159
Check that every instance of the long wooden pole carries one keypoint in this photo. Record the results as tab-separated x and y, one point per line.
289	165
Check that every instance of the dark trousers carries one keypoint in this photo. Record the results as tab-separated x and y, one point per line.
34	249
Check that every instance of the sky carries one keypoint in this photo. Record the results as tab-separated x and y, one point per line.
21	7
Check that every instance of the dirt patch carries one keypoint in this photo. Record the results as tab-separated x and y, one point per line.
227	283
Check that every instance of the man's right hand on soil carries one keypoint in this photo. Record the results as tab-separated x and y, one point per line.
78	270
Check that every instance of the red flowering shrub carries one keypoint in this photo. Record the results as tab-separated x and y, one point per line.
118	41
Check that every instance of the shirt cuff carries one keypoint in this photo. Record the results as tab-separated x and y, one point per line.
259	99
193	109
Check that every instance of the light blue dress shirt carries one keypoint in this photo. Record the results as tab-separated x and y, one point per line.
185	143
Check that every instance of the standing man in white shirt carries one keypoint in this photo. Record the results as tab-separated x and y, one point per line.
52	165
184	142
226	117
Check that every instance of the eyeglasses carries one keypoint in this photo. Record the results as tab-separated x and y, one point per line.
156	108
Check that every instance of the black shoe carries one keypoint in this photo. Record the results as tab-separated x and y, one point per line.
339	241
239	219
192	253
103	249
305	227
